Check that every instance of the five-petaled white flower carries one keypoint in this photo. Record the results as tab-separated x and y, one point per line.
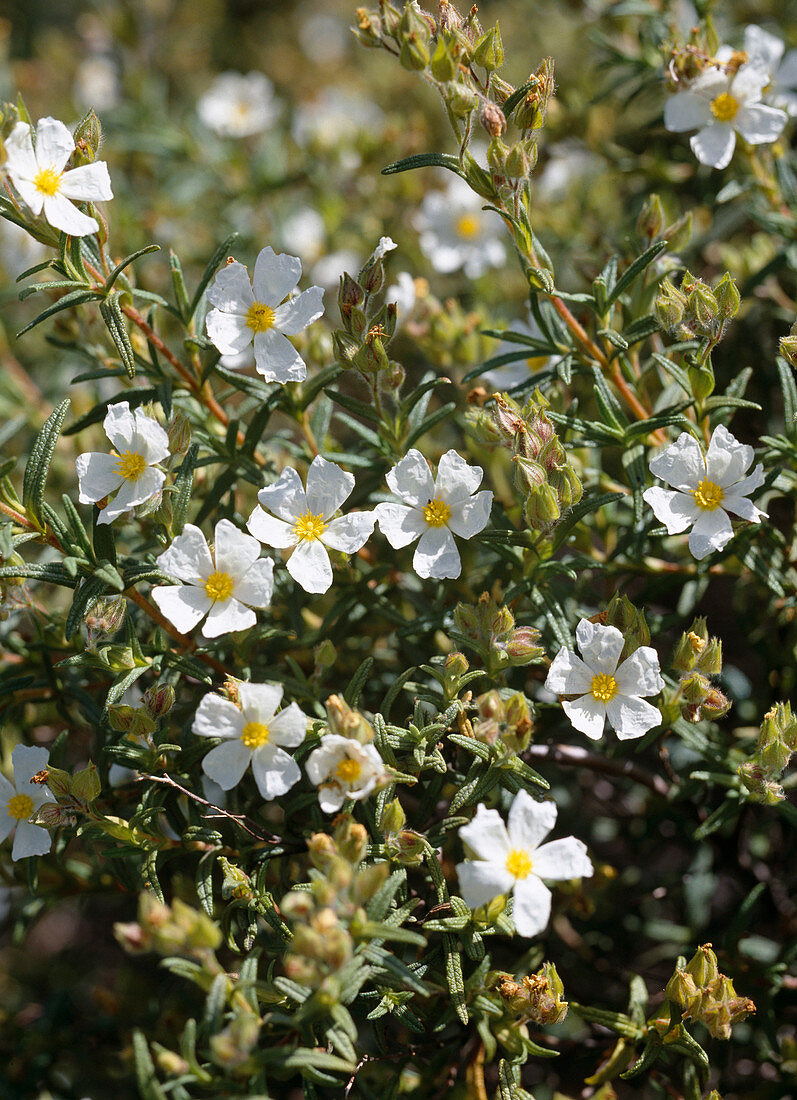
38	174
456	233
434	511
761	46
224	589
719	105
18	802
239	106
140	442
243	316
342	768
603	690
706	489
511	860
304	521
256	732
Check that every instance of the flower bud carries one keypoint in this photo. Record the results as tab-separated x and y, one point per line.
497	153
501	90
341	719
171	1064
703	306
489	50
86	784
59	782
631	623
232	1047
670	305
460	99
521	160
407	847
393	816
788	346
492	119
710	660
728	298
444	67
179	433
567	485
107	615
369	27
695	688
159	699
448	17
702	967
351	838
323	851
715	704
414	53
529	475
52	816
88	138
523	646
651	218
678	233
701	379
542	509
681	989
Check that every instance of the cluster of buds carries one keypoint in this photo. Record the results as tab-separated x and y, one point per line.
704	994
696	309
502	720
368	327
777	740
488	628
73	795
698	657
538	997
402	845
544	474
104	619
174	929
142	720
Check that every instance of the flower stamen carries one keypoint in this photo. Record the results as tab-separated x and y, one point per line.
308	527
131	465
519	863
708	495
20	806
260	317
348	770
255	734
437	513
219	586
47	181
725	107
468	226
604	687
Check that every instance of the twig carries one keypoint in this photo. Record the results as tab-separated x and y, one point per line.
574	756
239	819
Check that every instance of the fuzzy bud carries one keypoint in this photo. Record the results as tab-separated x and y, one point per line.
489	50
703	306
631	623
393	817
86	784
710	660
492	119
523	646
702	967
52	816
88	138
159	699
728	298
59	782
651	218
542	509
179	433
444	67
669	306
788	347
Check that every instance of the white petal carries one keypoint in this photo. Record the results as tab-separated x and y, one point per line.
235	552
714	144
456	480
150	439
256	587
712	531
631	717
276	274
19	149
470	516
587	715
330	798
322	760
599	645
188	558
568	675
289	727
727	459
532	909
227	763
54	144
183	605
26	761
674	509
277	359
286	497
97	476
562	859
63	215
748	484
480	882
89	182
217	717
327	487
271	531
259	702
686	111
680	464
229	332
400	523
120	426
712	81
275	771
231	291
741	506
436	555
486	835
639	674
759	124
411	479
349	533
7	822
31	840
134	491
310	567
226	616
760	43
294	317
748	85
529	821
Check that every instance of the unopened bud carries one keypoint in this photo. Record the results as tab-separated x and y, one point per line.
460	99
86	784
179	433
702	967
788	347
492	119
523	646
728	298
88	137
715	704
414	53
323	851
159	699
52	816
529	475
59	782
444	67
670	305
489	50
710	660
703	306
351	838
682	989
695	688
521	160
107	615
171	1064
393	816
542	509
651	218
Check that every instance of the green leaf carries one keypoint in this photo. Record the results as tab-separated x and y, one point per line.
359	408
358	681
111	313
585	507
424	160
148	1084
518	96
76	298
430	422
117	271
90	590
789	391
38	466
634	270
182	488
215	261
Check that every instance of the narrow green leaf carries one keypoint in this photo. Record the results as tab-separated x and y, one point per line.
76	298
634	270
117	271
424	160
38	466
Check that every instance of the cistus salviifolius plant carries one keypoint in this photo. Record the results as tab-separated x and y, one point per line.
397	567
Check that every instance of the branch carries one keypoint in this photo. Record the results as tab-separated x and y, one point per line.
573	756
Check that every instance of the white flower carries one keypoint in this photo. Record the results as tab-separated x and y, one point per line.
718	105
140	442
386	244
705	489
305	524
303	233
38	174
225	589
434	511
603	689
511	860
334	119
19	802
513	374
456	233
767	49
343	768
255	734
239	106
568	162
242	316
404	293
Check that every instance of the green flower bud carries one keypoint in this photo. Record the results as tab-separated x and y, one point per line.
728	298
324	655
351	838
521	160
542	509
523	647
159	699
86	784
702	967
179	432
695	688
681	989
701	380
341	719
489	49
52	816
344	348
670	305
236	883
171	1064
369	27
460	99
414	53
407	847
716	704
444	67
497	153
59	782
501	90
710	660
703	307
631	623
493	120
529	475
88	138
393	816
678	233
788	349
651	218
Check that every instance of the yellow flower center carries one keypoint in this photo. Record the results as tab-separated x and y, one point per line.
468	226
308	527
131	465
518	863
348	770
47	181
536	362
219	586
708	495
260	317
255	734
604	687
20	806
725	107
437	513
